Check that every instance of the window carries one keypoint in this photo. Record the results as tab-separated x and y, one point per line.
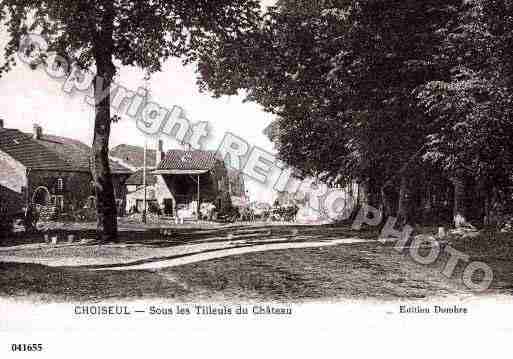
60	185
58	202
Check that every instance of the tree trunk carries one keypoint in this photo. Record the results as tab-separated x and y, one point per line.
426	205
404	211
460	201
488	220
389	197
370	193
106	207
494	208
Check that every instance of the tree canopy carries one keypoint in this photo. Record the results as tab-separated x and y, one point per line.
385	93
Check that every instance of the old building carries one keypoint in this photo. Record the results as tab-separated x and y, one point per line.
9	202
132	156
135	191
192	177
177	178
52	171
237	188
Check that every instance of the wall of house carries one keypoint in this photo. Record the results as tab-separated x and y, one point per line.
219	175
221	181
135	200
237	186
120	192
11	202
77	187
164	194
13	174
184	189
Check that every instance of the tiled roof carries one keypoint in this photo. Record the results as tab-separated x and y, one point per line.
134	155
30	153
189	160
49	152
137	179
75	152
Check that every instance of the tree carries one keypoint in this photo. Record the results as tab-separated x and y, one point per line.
472	136
100	34
341	78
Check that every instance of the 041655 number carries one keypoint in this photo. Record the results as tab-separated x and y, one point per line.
26	347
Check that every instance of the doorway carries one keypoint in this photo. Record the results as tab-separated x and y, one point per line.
41	196
168	207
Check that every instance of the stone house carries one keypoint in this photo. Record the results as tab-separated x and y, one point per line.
237	183
176	178
189	177
9	202
135	190
132	156
52	171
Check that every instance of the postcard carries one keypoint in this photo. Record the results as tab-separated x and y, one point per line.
244	178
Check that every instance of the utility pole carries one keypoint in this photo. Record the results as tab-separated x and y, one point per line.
145	205
144	182
198	209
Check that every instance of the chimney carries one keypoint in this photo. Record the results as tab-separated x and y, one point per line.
159	152
38	132
1	123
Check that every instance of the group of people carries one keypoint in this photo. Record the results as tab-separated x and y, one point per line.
209	212
274	214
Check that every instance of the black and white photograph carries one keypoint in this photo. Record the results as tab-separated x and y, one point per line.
256	178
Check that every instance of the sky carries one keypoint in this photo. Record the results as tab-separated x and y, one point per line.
31	96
